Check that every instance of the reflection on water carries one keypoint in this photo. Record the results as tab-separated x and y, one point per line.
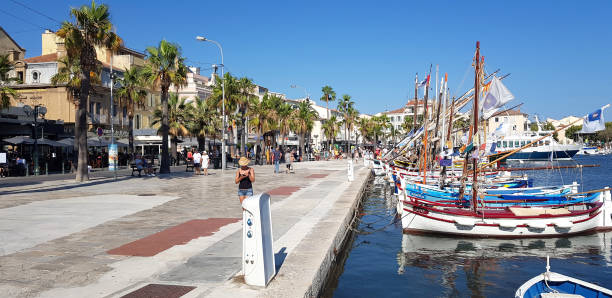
383	262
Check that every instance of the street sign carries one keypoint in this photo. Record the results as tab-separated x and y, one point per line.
100	131
112	157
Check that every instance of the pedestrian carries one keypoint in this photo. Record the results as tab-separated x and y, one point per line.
139	164
245	177
197	158
288	160
205	162
277	157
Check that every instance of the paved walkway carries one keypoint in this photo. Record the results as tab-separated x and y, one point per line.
174	235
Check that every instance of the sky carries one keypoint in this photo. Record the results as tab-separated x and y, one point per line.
558	53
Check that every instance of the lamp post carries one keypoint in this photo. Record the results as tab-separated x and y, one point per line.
38	109
201	38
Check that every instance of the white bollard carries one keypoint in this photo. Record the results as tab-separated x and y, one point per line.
257	253
350	175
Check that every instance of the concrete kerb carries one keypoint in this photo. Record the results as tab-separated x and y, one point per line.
338	244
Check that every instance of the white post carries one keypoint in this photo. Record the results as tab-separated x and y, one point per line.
258	263
350	175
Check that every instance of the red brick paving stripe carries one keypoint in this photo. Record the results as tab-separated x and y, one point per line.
283	190
181	234
159	291
317	176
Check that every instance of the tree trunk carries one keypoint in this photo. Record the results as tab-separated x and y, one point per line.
302	136
201	142
173	147
131	137
165	157
80	130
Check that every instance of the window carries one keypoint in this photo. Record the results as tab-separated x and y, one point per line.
125	112
115	110
98	108
496	119
151	100
498	143
137	124
547	143
516	144
20	76
35	77
523	143
505	144
513	127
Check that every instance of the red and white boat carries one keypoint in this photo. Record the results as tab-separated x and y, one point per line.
509	222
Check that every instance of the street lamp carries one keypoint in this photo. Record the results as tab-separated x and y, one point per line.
201	38
37	110
305	91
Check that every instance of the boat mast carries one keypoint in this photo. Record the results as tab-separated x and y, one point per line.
416	100
475	134
426	118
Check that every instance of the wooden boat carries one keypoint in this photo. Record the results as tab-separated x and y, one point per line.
552	284
418	216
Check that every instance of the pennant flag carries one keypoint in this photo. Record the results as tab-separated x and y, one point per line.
425	82
593	122
497	96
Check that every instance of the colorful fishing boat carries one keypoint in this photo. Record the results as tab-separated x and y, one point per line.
552	284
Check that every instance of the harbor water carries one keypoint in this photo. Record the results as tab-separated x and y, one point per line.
381	261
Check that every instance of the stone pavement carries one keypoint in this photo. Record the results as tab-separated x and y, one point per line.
174	235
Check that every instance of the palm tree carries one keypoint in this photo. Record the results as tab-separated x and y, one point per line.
175	113
231	93
133	92
345	105
351	119
304	117
244	101
365	126
201	120
69	75
260	116
6	92
330	129
91	28
328	95
285	120
408	124
165	66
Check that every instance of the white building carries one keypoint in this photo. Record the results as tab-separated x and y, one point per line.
515	119
397	116
197	85
563	139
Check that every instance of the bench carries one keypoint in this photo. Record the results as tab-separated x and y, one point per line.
135	169
189	164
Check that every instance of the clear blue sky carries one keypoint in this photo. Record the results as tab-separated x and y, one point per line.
559	53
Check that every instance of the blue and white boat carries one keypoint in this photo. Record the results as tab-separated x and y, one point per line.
551	284
545	149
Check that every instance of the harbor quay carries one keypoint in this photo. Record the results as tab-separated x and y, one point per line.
175	235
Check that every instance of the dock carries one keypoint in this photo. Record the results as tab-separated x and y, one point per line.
178	235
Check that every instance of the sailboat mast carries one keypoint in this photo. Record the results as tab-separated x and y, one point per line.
416	100
475	134
426	123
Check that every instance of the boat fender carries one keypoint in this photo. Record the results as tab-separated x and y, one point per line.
537	225
465	222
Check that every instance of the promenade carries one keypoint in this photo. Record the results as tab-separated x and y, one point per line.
177	235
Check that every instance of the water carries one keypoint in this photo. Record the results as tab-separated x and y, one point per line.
383	262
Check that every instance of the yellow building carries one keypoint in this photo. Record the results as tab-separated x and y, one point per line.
37	89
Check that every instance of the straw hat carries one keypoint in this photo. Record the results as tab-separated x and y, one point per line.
243	161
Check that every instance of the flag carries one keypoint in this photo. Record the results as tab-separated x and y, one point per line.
497	96
425	82
593	122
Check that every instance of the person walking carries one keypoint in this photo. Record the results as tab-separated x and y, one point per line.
288	160
245	177
277	154
205	162
197	159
